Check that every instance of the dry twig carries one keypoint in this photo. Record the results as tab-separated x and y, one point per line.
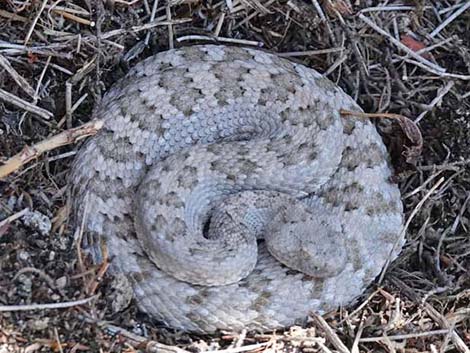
400	45
64	138
195	37
24	85
36	19
75	18
330	334
440	94
442	321
22	104
13	217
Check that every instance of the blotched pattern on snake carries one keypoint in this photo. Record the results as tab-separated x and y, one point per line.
228	189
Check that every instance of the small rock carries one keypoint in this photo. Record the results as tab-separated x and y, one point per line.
38	221
22	255
121	293
24	285
7	348
140	329
61	282
202	346
11	203
39	324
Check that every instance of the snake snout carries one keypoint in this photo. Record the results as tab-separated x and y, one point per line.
307	242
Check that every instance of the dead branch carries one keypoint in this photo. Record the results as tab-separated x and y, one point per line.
66	137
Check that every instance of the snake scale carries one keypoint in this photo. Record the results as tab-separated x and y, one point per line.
230	192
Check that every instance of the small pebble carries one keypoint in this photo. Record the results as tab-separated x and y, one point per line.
122	293
39	324
38	221
22	255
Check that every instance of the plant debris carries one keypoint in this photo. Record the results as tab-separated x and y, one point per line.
395	58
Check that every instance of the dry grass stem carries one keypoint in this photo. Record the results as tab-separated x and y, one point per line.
35	21
437	72
309	52
41	77
218	39
390	8
400	45
141	342
451	18
49	306
91	287
68	104
152	18
319	10
405	336
408	222
12	16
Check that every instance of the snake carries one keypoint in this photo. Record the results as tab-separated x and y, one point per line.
232	194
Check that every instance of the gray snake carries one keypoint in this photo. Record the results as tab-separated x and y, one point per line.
228	189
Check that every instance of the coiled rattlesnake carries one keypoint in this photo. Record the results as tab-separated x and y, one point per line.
206	151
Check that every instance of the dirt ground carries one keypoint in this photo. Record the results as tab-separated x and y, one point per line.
57	59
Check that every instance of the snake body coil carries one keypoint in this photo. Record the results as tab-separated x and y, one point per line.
228	189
